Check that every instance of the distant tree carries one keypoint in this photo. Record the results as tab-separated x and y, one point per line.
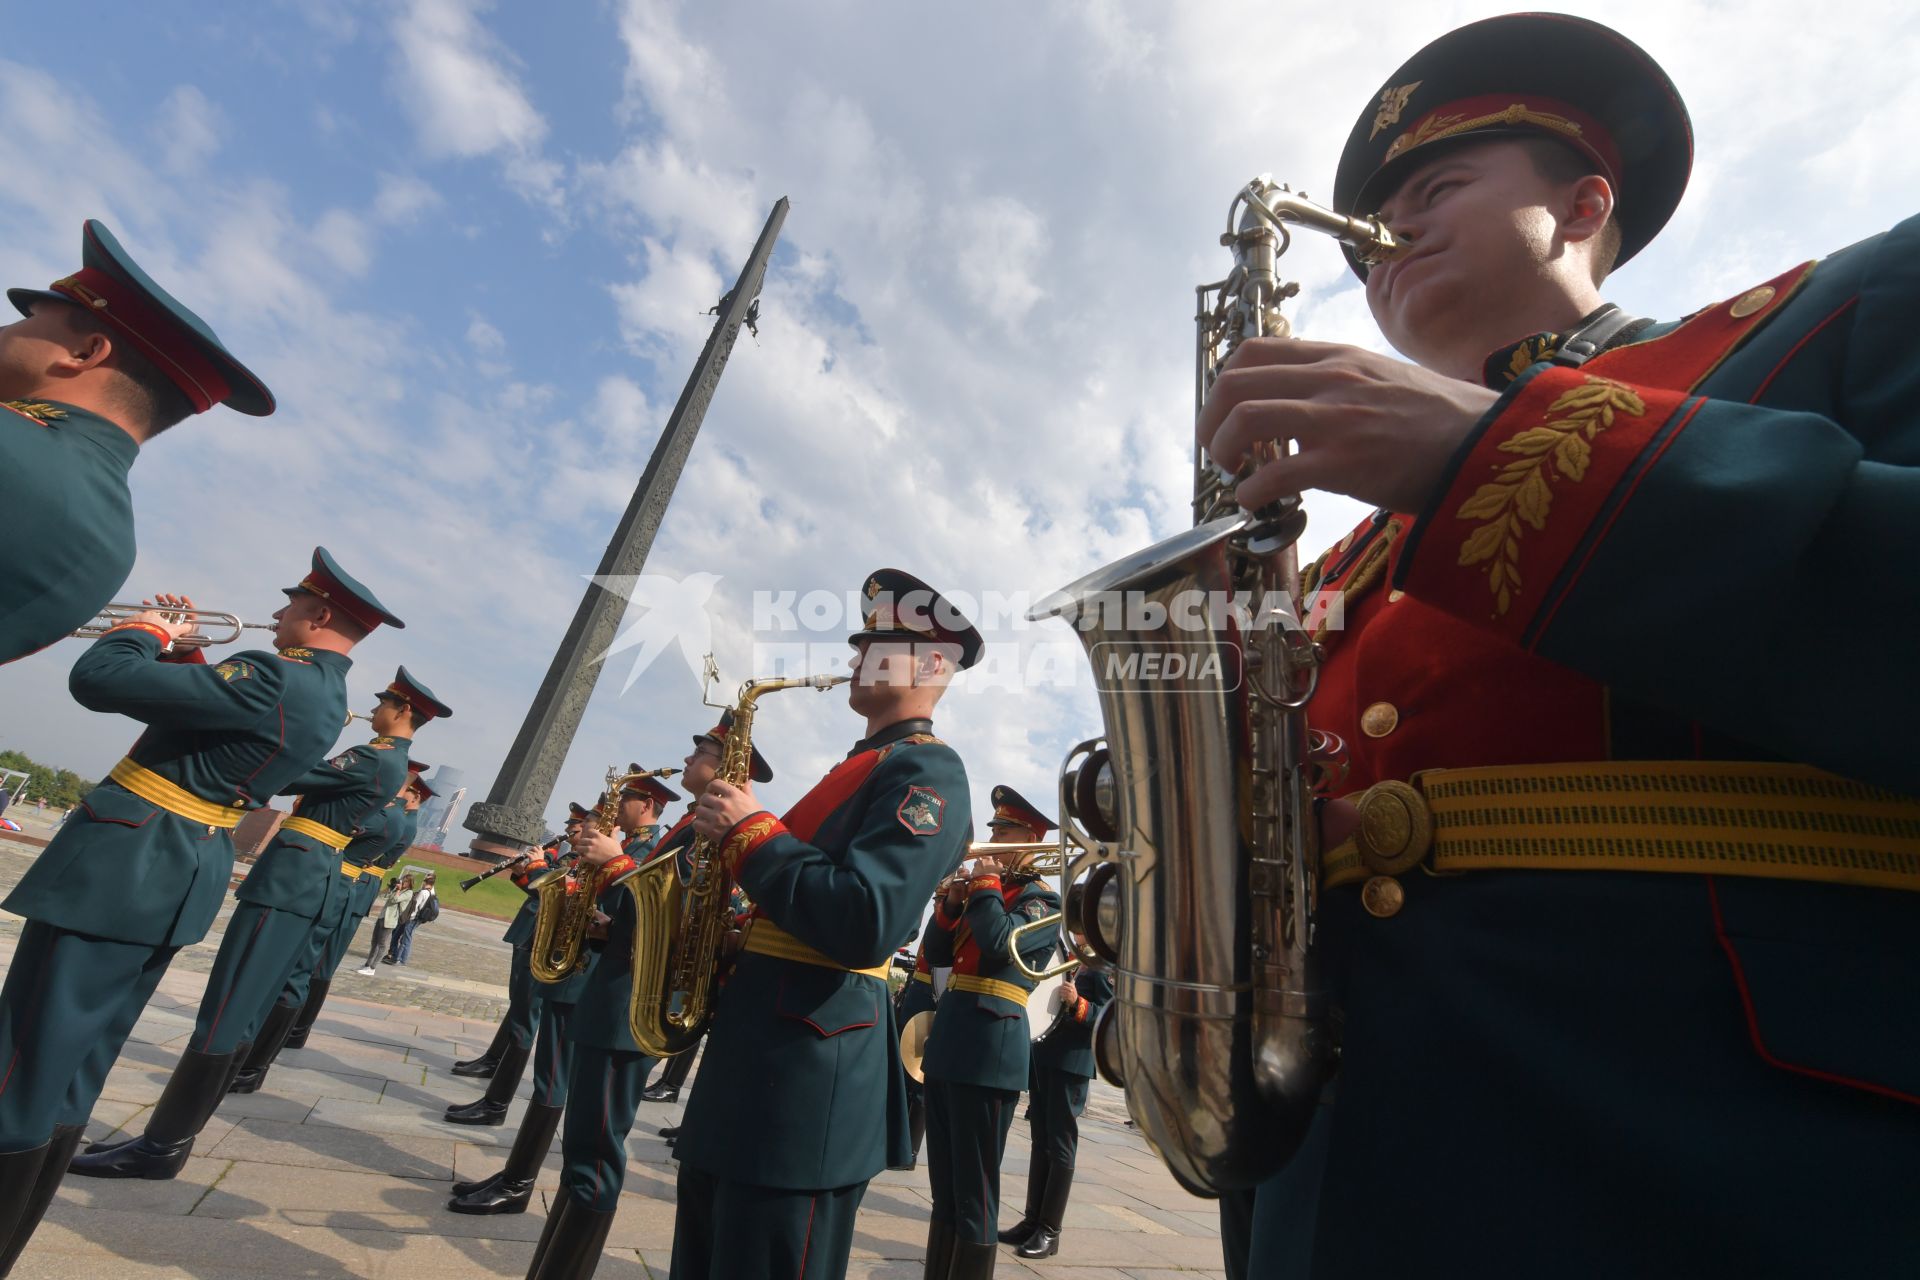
61	787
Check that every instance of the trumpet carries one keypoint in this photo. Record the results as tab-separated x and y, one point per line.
1043	858
112	615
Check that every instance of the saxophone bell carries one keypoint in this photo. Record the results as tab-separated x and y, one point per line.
1199	875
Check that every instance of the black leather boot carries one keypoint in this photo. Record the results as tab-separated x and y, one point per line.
1045	1242
673	1077
492	1106
513	1189
265	1048
1022	1231
317	989
972	1261
193	1091
30	1193
939	1250
21	1173
484	1065
574	1251
556	1221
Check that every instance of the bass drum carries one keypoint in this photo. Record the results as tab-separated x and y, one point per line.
1043	1007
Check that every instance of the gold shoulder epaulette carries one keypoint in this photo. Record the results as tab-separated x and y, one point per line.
38	410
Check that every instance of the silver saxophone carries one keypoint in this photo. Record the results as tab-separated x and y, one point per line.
1197	862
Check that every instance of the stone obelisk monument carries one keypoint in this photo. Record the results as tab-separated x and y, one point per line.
513	815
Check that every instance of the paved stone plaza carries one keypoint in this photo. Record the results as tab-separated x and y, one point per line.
340	1165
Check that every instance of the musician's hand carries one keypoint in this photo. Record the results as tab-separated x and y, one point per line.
160	615
597	927
1339	819
956	891
721	807
1369	426
596	847
731	942
986	865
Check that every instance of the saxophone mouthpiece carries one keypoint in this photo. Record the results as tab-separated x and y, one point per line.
824	683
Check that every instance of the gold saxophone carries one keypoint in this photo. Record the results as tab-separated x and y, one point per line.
678	924
1201	859
568	900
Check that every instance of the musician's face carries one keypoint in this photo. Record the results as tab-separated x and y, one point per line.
699	768
296	620
889	672
1483	228
637	812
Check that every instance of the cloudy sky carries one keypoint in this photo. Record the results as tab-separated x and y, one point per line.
470	246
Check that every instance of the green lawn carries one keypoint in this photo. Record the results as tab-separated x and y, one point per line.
498	897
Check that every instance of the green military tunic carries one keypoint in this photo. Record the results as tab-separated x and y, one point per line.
289	888
976	1061
607	1063
126	881
801	1099
382	834
69	532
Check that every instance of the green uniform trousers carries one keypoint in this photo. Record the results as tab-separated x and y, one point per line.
967	1128
257	952
1058	1099
523	999
552	1054
1236	1232
726	1230
603	1096
69	1004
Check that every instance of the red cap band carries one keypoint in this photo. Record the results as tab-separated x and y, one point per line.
157	336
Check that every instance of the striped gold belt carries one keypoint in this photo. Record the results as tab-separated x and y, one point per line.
765	938
920	975
1780	821
355	869
989	987
172	797
324	834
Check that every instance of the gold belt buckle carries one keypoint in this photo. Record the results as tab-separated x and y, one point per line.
1396	827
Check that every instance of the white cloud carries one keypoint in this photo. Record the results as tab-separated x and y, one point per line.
402	199
345	240
466	98
188	129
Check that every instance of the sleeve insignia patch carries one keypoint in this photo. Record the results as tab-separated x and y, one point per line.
923	812
231	671
342	761
1035	908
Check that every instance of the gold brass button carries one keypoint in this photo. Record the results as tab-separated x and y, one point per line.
1383	897
1395	596
1752	301
1379	720
1396	827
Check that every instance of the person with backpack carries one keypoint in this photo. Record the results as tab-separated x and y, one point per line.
423	909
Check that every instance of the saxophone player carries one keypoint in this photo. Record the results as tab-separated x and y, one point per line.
513	1038
1715	950
802	1049
977	1054
607	1062
510	1190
